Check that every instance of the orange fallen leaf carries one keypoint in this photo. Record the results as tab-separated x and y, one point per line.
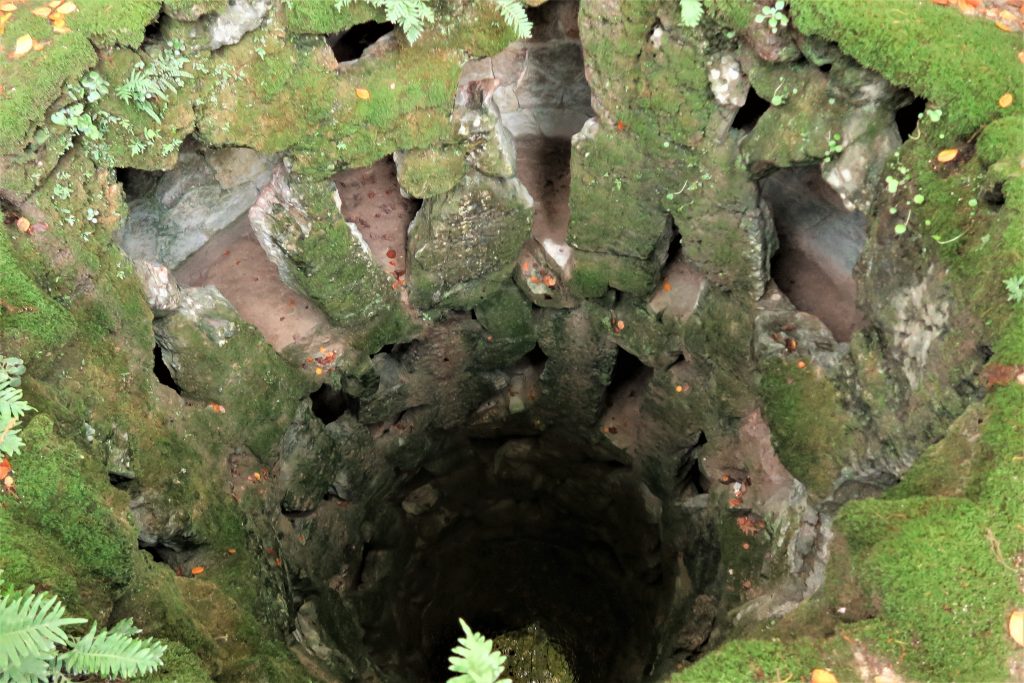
362	93
23	224
8	7
1020	56
5	468
800	364
823	676
22	46
947	155
550	280
679	388
735	502
37	46
218	408
255	476
196	571
526	266
1015	626
746	546
277	561
619	325
231	551
1002	26
319	371
1006	100
666	286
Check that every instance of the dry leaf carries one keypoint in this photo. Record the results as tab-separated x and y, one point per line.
67	8
231	551
196	571
362	93
43	12
23	224
823	676
22	46
947	155
37	46
1006	100
1020	56
5	468
1016	626
53	3
8	7
1003	26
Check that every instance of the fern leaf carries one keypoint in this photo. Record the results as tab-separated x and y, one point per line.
112	654
690	12
32	670
514	14
30	626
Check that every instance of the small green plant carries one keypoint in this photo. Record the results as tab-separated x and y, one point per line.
12	406
75	118
35	647
1015	289
151	83
690	12
475	660
835	147
413	16
775	15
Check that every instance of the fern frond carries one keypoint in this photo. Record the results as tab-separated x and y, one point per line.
113	654
412	16
31	670
690	12
30	625
514	14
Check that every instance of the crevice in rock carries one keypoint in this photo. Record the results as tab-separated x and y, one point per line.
349	45
537	358
372	201
162	372
748	115
330	403
819	245
994	197
908	116
627	371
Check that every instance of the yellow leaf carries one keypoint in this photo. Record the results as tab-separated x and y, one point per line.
24	224
947	155
823	676
61	29
23	46
41	12
362	93
1006	100
1016	626
53	3
67	8
8	7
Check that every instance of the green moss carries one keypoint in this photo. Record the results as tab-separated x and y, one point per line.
431	172
943	595
752	660
948	468
809	426
593	273
57	483
181	665
321	16
109	23
32	83
986	66
334	270
31	323
190	10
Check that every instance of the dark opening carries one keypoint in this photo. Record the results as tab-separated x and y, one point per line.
330	403
908	116
819	244
350	45
626	369
995	197
536	357
152	34
162	372
825	68
689	478
748	115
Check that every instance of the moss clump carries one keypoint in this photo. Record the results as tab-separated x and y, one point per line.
930	567
181	665
31	323
427	173
986	67
91	557
322	16
809	426
753	660
190	10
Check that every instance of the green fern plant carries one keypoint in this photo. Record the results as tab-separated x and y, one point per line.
690	12
413	16
12	405
150	84
34	647
475	660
